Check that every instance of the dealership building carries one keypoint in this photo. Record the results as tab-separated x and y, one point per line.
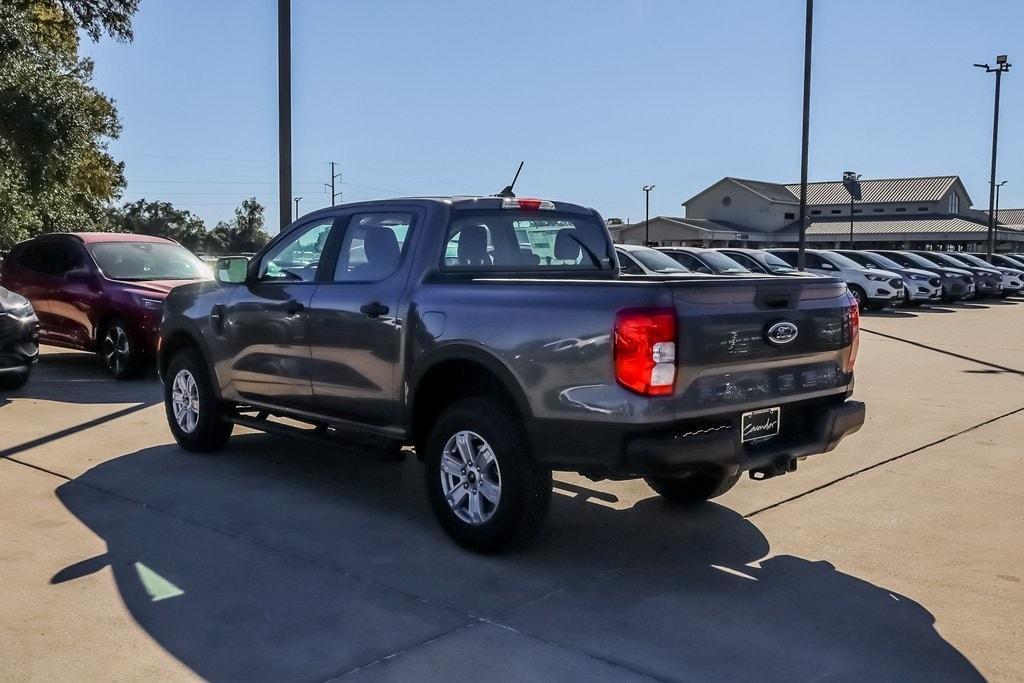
920	213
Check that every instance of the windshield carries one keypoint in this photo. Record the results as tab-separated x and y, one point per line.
720	263
973	260
148	261
657	261
537	241
841	261
883	262
946	259
918	261
777	265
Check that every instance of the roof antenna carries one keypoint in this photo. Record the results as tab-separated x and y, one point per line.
507	192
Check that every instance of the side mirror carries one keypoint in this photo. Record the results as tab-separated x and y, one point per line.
81	275
827	266
232	270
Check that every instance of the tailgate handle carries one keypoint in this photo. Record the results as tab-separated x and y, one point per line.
776	302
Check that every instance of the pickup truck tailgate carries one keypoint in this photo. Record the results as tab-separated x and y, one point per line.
728	353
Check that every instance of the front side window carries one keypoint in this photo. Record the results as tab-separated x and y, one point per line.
148	261
628	266
373	246
296	258
532	241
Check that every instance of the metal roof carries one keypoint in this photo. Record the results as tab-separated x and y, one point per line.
886	190
776	192
898	226
1010	216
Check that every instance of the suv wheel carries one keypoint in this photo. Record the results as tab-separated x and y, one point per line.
483	487
693	488
195	415
118	351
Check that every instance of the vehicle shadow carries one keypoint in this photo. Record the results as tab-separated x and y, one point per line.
72	377
934	309
889	313
270	562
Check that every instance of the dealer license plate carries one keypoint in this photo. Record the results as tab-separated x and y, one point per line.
760	424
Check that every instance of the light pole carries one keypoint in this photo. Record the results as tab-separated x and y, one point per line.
851	181
998	185
284	108
801	254
1001	65
297	200
647	213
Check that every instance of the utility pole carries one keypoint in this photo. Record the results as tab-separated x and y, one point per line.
284	109
998	185
330	186
851	181
647	212
297	200
1001	65
801	255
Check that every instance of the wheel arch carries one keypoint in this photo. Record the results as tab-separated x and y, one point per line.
174	341
455	372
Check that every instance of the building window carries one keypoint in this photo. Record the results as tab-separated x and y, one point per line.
858	210
816	212
954	203
790	216
836	211
878	209
901	209
726	200
922	208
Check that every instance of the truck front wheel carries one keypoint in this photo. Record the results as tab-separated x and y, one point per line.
194	414
484	489
693	488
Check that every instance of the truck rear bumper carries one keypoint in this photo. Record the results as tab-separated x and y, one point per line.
806	428
813	430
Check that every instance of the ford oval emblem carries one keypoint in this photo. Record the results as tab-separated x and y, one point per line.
782	333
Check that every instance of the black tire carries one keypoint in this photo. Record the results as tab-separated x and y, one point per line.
13	382
876	306
119	350
212	430
914	304
693	488
860	296
525	487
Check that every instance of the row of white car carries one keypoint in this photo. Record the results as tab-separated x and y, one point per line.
876	278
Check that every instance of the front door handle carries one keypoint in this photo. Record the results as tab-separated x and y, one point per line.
293	307
374	309
217	318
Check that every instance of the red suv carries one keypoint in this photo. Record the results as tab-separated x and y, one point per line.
101	292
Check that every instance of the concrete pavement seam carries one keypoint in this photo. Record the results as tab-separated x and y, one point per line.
880	464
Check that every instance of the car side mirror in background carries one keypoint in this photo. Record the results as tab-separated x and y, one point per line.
82	275
827	266
232	270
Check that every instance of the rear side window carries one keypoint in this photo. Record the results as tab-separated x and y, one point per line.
532	241
373	246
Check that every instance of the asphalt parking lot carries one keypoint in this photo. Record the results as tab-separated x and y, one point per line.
898	556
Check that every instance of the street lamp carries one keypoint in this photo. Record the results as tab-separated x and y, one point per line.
297	200
647	213
1002	64
851	181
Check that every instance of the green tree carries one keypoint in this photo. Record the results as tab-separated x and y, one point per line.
243	233
161	219
56	173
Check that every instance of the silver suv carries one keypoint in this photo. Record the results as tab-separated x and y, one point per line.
873	288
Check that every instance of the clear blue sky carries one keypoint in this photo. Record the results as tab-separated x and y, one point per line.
599	97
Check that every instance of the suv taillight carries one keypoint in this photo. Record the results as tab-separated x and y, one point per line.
854	336
645	350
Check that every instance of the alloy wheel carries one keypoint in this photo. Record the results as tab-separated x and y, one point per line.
117	350
185	401
470	477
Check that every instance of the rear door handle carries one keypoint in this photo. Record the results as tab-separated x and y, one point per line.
374	309
293	307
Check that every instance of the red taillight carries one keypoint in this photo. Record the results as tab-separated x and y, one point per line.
854	336
645	350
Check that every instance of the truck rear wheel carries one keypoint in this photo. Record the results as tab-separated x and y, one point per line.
194	414
693	488
484	489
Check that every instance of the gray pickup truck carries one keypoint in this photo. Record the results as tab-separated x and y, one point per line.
496	337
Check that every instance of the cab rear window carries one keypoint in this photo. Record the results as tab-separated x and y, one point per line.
530	241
